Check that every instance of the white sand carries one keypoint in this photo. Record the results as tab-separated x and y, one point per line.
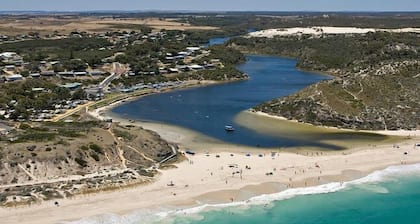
205	178
202	174
324	30
405	133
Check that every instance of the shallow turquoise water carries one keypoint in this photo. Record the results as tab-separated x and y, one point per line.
383	197
394	201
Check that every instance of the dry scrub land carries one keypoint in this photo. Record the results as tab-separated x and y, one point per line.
13	25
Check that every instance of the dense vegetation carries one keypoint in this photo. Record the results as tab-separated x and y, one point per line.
376	85
22	99
86	49
335	51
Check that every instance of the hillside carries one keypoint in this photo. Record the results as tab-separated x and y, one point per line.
56	160
375	85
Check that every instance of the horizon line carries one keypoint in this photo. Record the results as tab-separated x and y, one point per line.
210	11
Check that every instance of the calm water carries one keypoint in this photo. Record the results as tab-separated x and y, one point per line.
208	109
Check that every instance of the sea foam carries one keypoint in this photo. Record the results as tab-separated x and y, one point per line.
165	216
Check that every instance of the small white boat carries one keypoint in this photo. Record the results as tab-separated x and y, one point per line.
229	128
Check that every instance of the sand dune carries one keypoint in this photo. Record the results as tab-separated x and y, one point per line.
324	30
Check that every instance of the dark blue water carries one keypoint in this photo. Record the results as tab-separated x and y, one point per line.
208	109
218	40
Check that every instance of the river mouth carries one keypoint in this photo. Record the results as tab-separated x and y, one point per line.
205	111
333	138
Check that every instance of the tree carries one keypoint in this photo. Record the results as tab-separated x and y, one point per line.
61	93
79	94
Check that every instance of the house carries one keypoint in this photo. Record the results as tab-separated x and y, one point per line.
183	53
10	68
12	78
8	55
209	66
47	73
163	71
196	67
18	62
66	74
193	49
80	73
35	75
38	89
173	70
96	73
72	86
127	90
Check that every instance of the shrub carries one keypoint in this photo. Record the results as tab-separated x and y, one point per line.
96	148
81	162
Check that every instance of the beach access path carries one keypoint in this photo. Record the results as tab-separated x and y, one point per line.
229	173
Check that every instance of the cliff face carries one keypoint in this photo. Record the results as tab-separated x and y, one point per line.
375	85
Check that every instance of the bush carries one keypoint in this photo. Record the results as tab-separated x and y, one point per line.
81	162
95	156
96	148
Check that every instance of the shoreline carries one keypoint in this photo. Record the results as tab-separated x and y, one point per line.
210	180
213	178
97	112
404	133
224	168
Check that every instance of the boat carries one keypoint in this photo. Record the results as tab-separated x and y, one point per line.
229	128
189	152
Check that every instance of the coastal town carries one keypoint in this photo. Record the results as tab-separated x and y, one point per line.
51	98
82	83
148	117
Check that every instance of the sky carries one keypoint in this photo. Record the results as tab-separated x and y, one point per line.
211	5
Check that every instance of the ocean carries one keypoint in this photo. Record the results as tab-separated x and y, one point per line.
391	195
387	196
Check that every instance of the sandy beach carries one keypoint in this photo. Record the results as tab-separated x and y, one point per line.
269	33
221	173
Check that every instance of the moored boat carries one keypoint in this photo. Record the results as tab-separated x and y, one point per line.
229	128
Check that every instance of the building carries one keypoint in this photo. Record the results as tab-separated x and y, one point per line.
128	90
196	67
193	49
47	73
12	78
66	74
96	73
10	57
10	68
80	73
35	75
37	89
72	86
